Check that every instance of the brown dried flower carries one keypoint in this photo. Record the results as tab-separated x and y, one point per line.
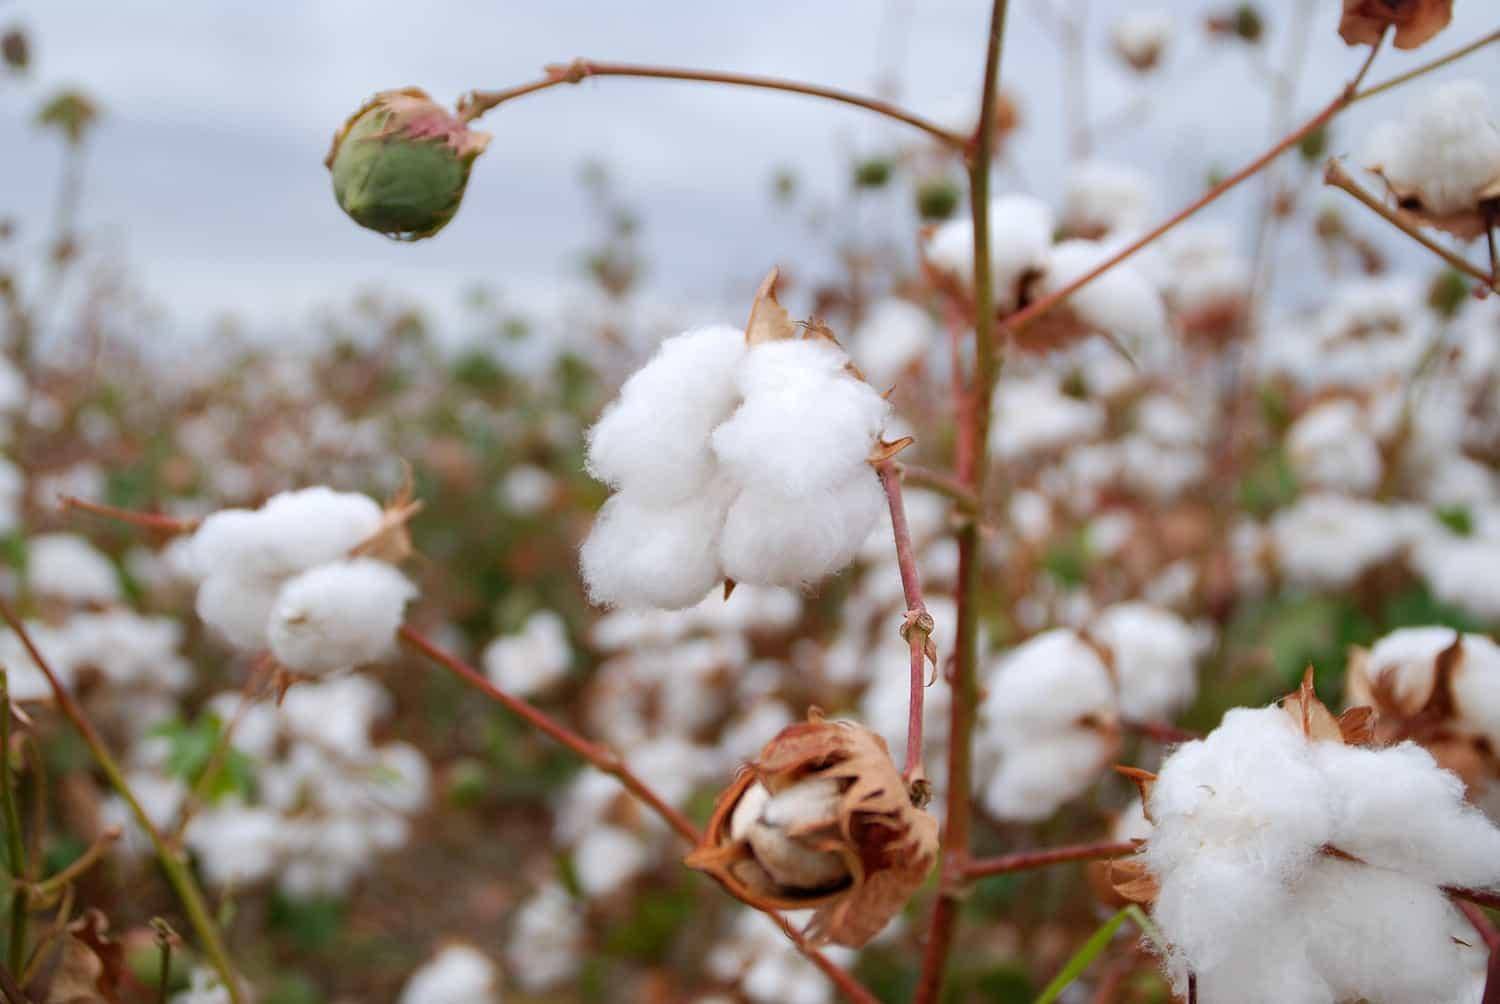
821	819
1415	21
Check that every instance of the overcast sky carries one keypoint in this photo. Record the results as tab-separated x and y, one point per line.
206	172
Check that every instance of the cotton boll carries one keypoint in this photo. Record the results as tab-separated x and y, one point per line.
457	974
805	423
893	336
1328	540
606	859
1331	447
1032	781
1462	572
1103	198
235	844
950	250
1405	662
1476	686
547	940
338	713
204	988
1140	37
239	609
653	440
1032	414
293	531
400	778
256	723
68	567
1021	229
640	555
771	539
1445	151
1153	654
338	616
1121	302
533	660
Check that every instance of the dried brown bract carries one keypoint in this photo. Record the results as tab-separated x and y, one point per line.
821	819
1415	21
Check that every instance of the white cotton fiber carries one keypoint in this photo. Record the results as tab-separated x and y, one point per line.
1326	540
1103	198
606	859
639	555
805	425
774	539
65	566
1154	654
1446	149
1021	229
654	439
532	660
1122	302
291	532
1405	661
1332	447
892	337
338	616
1476	686
457	974
239	609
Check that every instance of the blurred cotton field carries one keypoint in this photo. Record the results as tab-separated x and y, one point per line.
792	518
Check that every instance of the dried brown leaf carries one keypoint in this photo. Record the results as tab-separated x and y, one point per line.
1415	21
769	321
1311	715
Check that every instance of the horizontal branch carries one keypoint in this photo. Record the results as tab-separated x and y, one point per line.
1029	860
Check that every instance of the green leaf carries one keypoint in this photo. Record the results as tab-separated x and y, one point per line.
1085	956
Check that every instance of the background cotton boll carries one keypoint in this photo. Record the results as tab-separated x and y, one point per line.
1404	662
894	335
532	660
1033	414
606	859
771	539
1328	540
950	250
338	616
1103	198
1331	447
1021	229
256	725
337	712
458	974
1153	653
204	989
1121	302
1446	148
65	566
234	844
237	608
1462	572
805	423
400	778
640	555
1031	781
547	940
653	440
1475	685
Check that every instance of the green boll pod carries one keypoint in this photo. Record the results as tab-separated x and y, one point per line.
401	162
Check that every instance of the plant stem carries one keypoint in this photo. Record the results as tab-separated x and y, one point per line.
1480	921
1027	860
8	986
1428	67
476	103
606	760
971	473
917	627
15	845
1162	732
177	871
1484	897
146	520
1338	177
81	864
1018	321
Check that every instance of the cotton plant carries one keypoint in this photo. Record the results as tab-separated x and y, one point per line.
548	940
738	457
532	660
1290	858
457	973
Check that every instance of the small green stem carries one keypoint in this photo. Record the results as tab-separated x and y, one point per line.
15	845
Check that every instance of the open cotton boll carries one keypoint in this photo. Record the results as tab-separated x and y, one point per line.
1033	414
774	540
1475	685
1021	229
1122	302
1445	151
234	844
1032	781
293	531
1327	540
204	988
1154	654
894	334
1404	664
1102	198
606	858
1331	447
653	439
531	661
237	608
457	974
1461	571
338	616
639	555
806	423
546	942
65	566
950	250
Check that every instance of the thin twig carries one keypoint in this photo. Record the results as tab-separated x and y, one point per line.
978	404
1428	67
1484	897
917	626
147	520
476	103
1480	921
1162	732
1338	177
54	883
178	874
13	992
1023	861
15	844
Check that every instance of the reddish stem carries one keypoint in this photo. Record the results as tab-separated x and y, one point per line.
1023	861
1481	923
917	627
1162	732
159	522
1484	897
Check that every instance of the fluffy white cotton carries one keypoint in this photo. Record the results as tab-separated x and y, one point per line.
532	660
1475	686
1251	902
640	555
806	424
546	941
1045	728
1404	662
1141	36
1021	229
66	566
1461	571
1154	654
1102	198
1122	302
1445	151
1033	414
1331	447
338	616
291	532
773	538
1327	541
234	844
606	859
767	968
204	988
457	974
892	337
654	439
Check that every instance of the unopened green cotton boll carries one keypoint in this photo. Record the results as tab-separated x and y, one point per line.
401	162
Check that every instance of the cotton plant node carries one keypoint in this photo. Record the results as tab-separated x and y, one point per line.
1365	22
821	819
